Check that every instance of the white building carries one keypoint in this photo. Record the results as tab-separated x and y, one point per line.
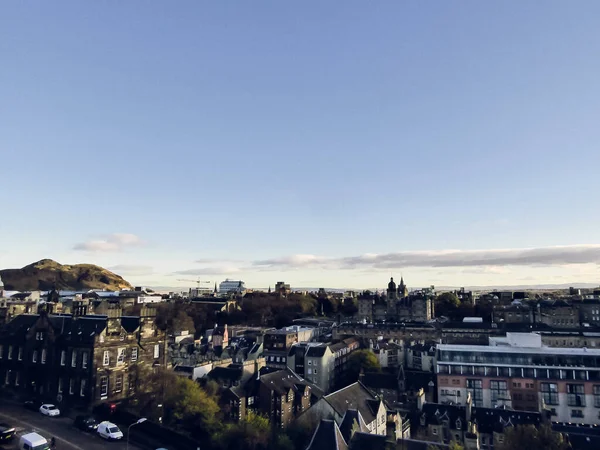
228	286
517	371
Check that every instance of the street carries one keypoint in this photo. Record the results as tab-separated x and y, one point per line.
67	436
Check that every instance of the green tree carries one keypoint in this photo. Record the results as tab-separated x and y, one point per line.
446	304
184	404
251	433
362	360
533	438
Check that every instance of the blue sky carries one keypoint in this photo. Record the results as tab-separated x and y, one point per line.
170	141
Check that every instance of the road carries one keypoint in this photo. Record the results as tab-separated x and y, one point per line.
67	436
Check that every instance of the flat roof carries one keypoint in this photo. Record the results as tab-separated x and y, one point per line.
507	349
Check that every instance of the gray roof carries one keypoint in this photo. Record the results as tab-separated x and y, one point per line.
354	396
351	423
327	437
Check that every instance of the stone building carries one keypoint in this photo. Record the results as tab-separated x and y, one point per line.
79	359
281	395
396	305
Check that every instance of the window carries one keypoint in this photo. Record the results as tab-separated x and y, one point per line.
74	358
84	360
104	386
310	371
121	356
575	395
434	431
498	390
250	401
310	362
34	356
20	354
82	387
597	396
17	378
63	357
315	371
43	356
1	351
60	385
71	386
119	383
10	350
549	393
475	387
106	360
134	354
278	358
156	351
577	413
39	335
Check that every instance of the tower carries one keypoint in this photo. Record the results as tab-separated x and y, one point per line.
392	297
1	288
402	290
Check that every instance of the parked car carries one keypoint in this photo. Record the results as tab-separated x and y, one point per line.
49	410
33	405
86	423
109	431
7	433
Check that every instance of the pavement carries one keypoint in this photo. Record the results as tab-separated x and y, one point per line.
61	428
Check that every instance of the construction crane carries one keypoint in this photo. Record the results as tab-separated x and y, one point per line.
198	282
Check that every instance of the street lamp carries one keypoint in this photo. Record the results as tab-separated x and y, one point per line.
142	420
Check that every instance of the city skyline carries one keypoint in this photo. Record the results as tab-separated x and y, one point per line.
277	141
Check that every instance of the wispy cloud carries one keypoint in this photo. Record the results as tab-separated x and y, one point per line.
204	271
132	270
489	260
110	243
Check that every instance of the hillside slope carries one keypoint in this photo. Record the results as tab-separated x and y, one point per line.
47	274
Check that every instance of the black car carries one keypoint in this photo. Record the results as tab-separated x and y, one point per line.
7	433
33	405
85	423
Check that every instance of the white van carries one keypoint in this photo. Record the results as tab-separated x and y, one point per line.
33	441
109	430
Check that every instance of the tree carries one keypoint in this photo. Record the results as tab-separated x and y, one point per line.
362	360
533	438
446	304
184	404
251	433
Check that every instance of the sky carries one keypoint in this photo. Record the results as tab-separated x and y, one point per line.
318	143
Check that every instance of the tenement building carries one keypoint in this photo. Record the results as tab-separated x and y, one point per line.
79	359
519	373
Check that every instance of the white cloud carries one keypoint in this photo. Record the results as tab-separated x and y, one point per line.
110	243
131	270
203	271
491	259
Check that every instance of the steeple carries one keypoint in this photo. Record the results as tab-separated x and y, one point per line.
269	289
215	287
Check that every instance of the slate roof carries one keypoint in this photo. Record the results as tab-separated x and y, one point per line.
361	441
226	373
380	380
354	396
316	351
282	381
130	323
489	420
20	323
350	420
327	437
437	414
